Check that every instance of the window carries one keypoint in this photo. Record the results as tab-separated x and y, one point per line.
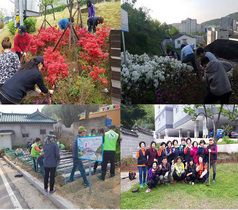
42	131
184	41
178	42
25	135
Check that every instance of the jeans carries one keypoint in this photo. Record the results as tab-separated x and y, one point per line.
109	156
41	164
49	172
142	169
35	164
78	164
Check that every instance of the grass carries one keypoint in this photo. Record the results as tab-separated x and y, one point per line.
110	11
221	194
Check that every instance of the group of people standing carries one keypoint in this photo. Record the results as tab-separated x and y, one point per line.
185	162
215	72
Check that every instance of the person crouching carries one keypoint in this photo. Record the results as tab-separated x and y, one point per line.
153	177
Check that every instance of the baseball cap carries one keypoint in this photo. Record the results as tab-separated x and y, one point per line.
21	30
40	59
81	129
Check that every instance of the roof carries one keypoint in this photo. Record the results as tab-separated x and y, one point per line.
148	132
34	118
176	36
128	132
6	131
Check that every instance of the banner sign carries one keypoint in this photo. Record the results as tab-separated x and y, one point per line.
124	21
90	148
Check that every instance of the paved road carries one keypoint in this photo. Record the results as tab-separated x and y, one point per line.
17	192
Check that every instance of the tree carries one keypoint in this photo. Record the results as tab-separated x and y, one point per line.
130	114
213	114
45	3
173	31
1	16
52	111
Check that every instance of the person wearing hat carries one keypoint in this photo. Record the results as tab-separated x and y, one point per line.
178	170
77	163
24	80
109	152
153	177
93	22
22	42
91	9
51	160
35	152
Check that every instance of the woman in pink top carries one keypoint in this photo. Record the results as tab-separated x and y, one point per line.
195	154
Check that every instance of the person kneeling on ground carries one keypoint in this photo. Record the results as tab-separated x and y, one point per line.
201	169
179	172
217	81
190	172
93	23
19	152
165	172
153	177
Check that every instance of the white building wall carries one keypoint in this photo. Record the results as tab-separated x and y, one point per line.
184	40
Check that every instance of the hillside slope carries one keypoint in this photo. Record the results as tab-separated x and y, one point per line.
111	12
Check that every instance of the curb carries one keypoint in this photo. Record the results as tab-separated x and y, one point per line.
59	201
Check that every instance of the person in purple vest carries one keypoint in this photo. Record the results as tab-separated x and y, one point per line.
212	149
91	9
141	162
153	177
152	154
175	149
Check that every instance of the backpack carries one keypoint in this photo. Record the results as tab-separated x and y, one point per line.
132	175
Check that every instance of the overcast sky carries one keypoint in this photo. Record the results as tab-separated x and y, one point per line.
173	11
20	108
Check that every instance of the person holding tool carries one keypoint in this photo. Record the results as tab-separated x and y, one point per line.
77	163
109	152
22	42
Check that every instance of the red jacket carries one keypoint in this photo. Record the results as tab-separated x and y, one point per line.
22	44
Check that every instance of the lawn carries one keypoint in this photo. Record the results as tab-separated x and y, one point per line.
110	11
221	194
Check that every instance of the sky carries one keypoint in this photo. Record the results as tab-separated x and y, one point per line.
20	108
7	4
173	11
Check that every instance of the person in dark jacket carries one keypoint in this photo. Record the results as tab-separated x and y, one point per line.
212	149
153	177
77	163
51	158
169	152
93	23
162	152
24	80
173	54
181	149
100	133
141	162
40	161
165	172
175	149
201	150
188	150
190	172
152	154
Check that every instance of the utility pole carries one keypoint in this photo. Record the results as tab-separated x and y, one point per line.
18	14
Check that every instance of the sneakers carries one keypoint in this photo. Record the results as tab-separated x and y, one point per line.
141	185
46	190
174	182
145	183
213	180
192	183
51	192
148	190
183	182
86	185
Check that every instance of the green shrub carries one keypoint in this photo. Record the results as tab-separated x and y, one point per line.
30	24
1	25
11	27
227	140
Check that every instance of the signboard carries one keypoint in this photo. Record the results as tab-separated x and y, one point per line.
90	148
124	21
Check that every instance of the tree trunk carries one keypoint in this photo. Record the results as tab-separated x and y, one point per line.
53	11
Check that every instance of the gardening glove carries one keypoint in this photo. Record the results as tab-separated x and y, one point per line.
51	92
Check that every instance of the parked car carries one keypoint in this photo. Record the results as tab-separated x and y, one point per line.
219	132
233	134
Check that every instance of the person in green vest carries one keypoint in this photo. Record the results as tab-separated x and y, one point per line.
109	152
35	152
93	132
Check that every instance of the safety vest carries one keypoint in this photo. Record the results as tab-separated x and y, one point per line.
34	152
110	141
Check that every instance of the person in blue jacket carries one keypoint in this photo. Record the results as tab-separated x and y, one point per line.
64	22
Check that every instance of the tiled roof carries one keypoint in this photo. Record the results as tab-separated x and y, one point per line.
36	117
128	132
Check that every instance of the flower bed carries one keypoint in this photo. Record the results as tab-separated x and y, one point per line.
156	79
